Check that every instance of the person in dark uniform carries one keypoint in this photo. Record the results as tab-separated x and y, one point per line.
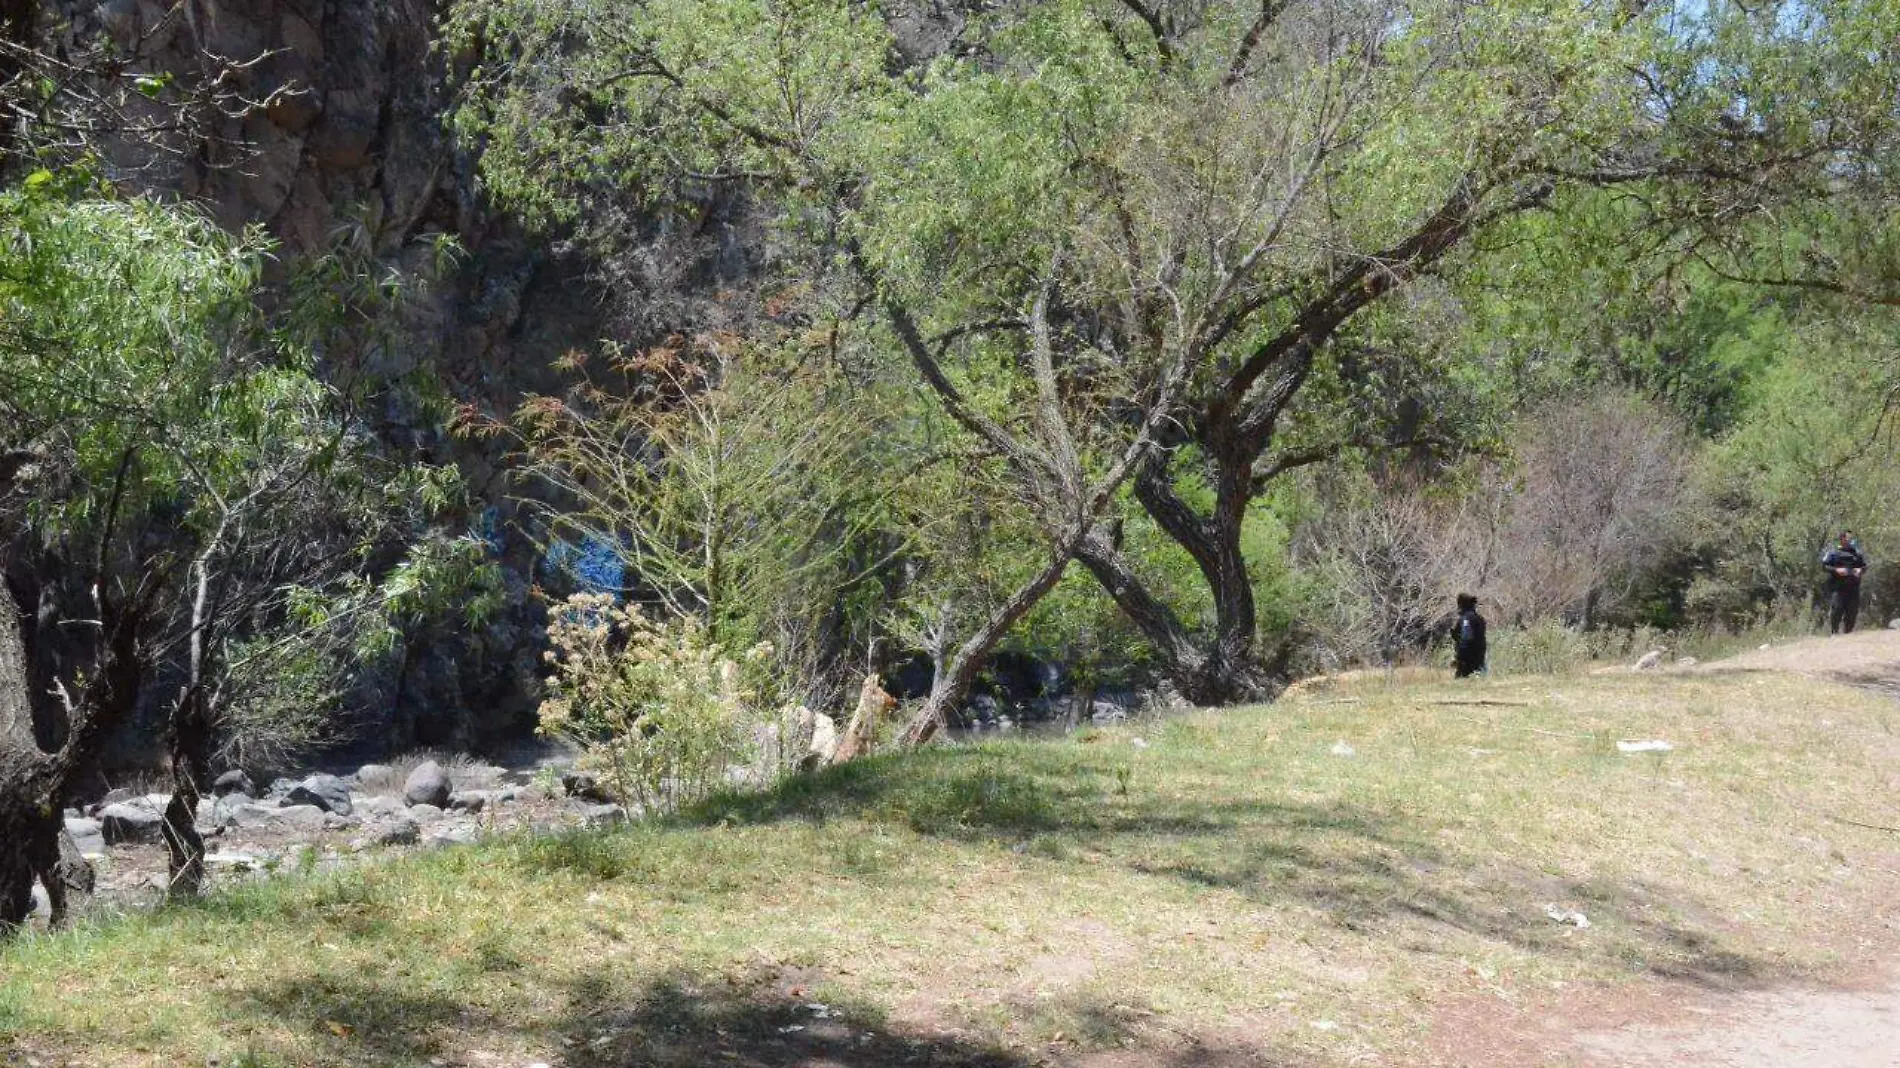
1467	636
1845	564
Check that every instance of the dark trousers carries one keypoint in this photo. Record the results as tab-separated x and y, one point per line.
1843	609
1463	667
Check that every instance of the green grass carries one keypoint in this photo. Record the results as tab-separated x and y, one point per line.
1221	876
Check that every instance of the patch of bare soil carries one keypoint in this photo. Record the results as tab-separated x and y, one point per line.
1765	1029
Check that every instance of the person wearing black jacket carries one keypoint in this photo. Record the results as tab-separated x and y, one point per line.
1467	637
1845	564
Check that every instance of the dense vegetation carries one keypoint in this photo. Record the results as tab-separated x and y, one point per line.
1193	345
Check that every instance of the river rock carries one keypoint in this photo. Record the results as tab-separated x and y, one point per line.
428	785
326	792
298	817
425	813
373	807
132	822
451	835
469	801
603	815
87	835
233	782
402	832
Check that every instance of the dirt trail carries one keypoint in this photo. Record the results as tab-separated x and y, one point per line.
1870	659
1857	1028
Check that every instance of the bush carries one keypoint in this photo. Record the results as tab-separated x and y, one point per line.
655	706
1546	648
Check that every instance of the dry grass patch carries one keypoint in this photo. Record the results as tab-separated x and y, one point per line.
1215	889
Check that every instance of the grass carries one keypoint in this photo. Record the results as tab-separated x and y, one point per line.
1204	890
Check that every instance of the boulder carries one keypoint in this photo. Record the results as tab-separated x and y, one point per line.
428	785
297	817
326	792
452	834
132	822
240	811
281	786
425	813
1650	661
380	806
233	782
373	773
403	832
469	801
824	739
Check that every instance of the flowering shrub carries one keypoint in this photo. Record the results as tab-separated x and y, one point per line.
655	705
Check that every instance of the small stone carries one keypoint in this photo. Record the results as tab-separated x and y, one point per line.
428	785
1341	749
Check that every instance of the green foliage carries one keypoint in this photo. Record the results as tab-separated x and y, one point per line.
656	704
187	446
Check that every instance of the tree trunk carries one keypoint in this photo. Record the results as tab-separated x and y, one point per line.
952	685
191	775
34	781
29	808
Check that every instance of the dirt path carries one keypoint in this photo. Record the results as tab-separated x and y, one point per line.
1768	1029
1870	659
1855	1028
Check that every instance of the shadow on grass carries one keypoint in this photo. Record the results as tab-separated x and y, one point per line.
1362	867
681	1021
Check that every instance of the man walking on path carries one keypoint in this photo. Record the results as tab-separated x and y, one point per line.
1467	638
1845	564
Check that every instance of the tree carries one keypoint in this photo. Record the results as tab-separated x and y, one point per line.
1219	189
195	483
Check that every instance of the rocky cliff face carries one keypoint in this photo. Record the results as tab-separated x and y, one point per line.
352	150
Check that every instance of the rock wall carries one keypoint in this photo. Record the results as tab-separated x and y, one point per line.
352	149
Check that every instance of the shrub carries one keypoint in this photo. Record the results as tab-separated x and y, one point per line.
655	705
